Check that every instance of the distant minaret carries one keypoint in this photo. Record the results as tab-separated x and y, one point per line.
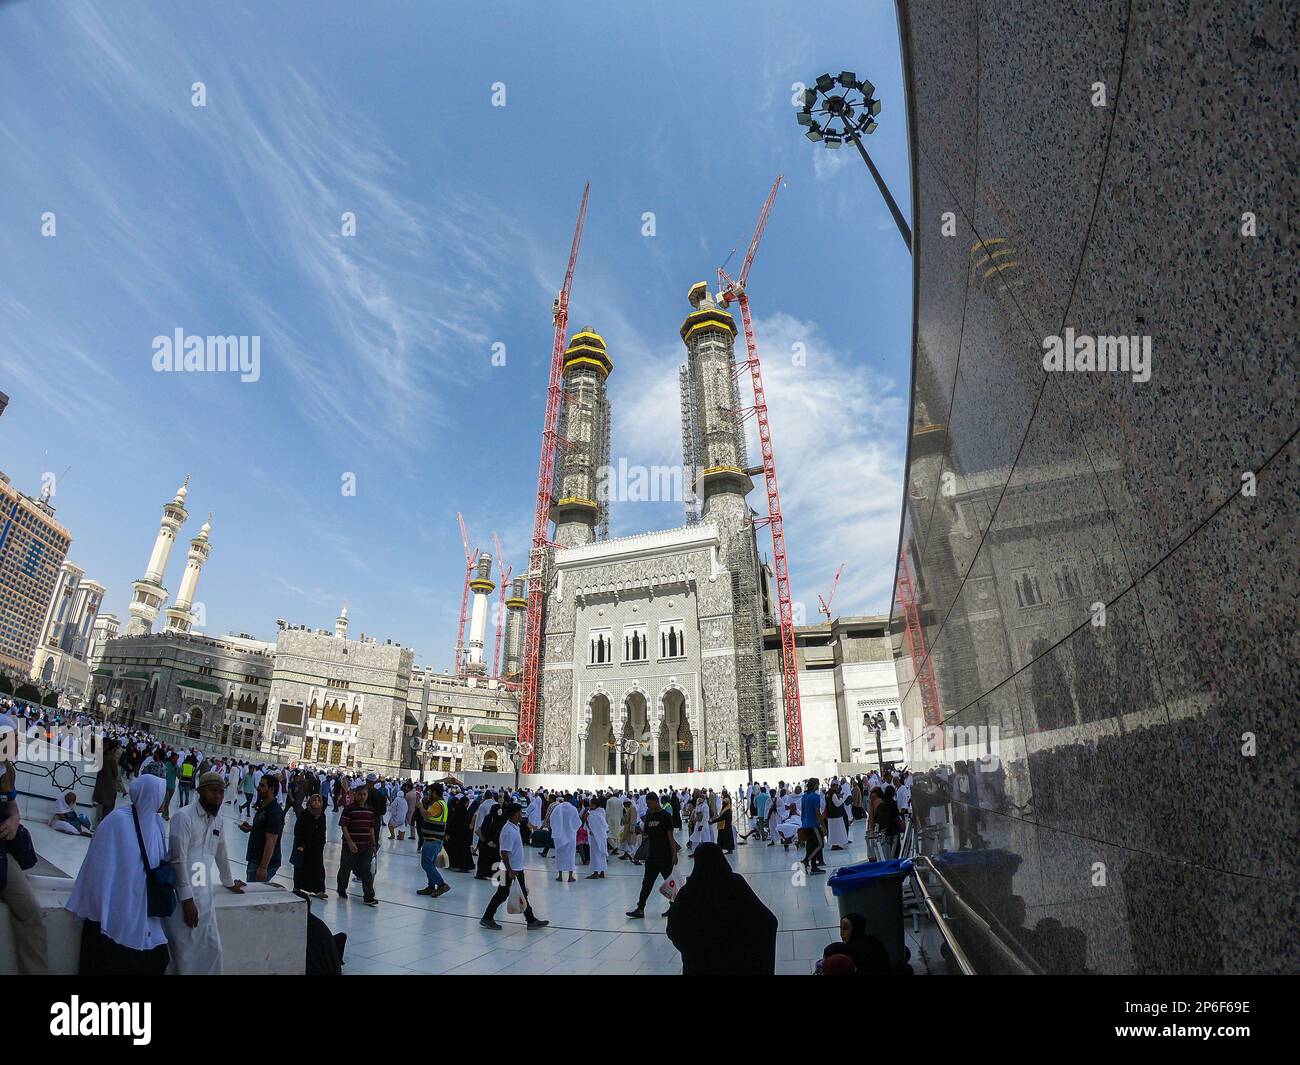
482	586
148	593
180	617
516	607
578	512
341	623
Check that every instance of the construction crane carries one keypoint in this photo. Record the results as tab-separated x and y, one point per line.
921	667
734	291
458	666
825	604
504	571
537	575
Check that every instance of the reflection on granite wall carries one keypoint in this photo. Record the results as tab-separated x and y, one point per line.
1103	569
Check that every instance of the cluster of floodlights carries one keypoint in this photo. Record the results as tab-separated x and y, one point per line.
844	100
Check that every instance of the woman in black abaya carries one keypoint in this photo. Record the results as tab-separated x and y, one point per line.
488	854
718	924
459	857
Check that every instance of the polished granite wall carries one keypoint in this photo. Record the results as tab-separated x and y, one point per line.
1130	826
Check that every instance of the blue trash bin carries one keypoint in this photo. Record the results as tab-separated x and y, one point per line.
875	890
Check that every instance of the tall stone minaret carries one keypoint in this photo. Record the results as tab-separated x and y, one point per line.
579	513
341	623
717	427
180	617
148	593
516	608
482	586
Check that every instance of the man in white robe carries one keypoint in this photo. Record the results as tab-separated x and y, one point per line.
565	821
614	815
533	815
598	838
197	843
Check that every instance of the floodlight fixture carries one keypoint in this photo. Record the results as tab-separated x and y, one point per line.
843	109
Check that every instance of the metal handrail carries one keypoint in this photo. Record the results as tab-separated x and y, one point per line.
1019	964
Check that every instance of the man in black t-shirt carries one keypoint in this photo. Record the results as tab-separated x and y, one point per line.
263	855
661	849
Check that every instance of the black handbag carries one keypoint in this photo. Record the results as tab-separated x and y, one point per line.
160	882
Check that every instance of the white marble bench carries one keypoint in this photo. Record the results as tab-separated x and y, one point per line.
263	931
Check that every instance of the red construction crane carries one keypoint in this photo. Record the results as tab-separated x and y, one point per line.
458	665
826	603
735	290
504	572
921	667
542	510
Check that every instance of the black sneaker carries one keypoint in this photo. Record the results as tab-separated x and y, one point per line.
537	924
639	914
487	922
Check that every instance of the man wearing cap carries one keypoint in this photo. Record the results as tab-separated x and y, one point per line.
198	843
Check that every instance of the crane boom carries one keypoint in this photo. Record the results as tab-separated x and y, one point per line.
826	603
735	291
537	557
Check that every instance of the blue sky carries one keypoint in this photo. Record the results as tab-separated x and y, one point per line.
376	350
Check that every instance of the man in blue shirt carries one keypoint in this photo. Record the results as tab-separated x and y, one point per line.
810	827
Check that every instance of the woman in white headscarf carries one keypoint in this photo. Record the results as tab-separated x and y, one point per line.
119	938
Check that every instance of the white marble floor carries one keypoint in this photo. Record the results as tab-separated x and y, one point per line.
588	933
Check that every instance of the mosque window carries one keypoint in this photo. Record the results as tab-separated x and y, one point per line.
600	647
1028	592
672	639
636	647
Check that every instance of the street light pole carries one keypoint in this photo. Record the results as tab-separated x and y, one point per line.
848	101
904	230
748	737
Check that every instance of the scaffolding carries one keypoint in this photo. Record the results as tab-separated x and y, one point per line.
691	498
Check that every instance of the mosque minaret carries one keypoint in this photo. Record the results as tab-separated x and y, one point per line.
181	616
482	586
148	593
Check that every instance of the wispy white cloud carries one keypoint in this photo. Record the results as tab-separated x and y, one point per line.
835	428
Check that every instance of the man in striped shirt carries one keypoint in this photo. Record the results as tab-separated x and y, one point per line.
360	833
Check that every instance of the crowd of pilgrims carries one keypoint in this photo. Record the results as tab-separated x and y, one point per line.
713	917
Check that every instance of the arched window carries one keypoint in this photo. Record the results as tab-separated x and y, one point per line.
356	715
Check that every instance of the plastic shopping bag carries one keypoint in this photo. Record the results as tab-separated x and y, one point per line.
517	902
673	884
442	861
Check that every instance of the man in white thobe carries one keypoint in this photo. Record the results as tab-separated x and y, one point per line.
196	844
598	838
533	815
565	821
614	814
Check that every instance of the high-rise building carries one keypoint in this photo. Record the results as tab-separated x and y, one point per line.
32	549
63	652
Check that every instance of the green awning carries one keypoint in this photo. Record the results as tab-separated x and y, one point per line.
102	671
492	730
137	675
200	686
